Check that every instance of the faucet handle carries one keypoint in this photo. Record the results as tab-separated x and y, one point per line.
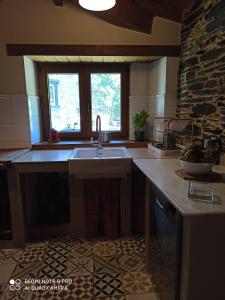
94	143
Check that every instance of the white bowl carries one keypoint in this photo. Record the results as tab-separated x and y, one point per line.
196	168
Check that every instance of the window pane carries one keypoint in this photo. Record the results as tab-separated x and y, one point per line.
106	100
64	99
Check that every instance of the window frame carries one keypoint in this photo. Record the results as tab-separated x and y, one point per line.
84	70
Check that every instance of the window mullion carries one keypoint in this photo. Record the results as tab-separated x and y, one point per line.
85	101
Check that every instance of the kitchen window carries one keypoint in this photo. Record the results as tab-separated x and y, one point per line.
73	95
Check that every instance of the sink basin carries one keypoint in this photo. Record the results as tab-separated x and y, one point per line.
95	163
88	153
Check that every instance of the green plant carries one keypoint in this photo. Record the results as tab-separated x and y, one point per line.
196	153
140	119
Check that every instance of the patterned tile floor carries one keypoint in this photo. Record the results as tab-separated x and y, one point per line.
76	269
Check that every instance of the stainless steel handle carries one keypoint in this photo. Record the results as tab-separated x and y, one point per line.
159	204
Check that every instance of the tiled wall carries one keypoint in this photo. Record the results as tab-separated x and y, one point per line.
19	121
137	103
153	88
14	122
161	106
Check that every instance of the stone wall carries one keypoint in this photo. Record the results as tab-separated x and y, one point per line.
201	83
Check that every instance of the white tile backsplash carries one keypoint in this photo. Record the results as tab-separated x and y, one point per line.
5	111
137	103
170	105
21	133
14	122
6	133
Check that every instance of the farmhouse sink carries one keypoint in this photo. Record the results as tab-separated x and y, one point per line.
97	163
94	153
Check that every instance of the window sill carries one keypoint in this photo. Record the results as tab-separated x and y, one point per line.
79	144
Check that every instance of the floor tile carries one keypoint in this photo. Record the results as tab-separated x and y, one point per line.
105	248
101	269
131	262
107	285
3	257
60	240
53	268
55	260
6	270
27	270
42	243
151	296
79	267
15	292
80	249
58	250
30	254
141	245
137	283
106	265
120	297
129	246
82	287
7	255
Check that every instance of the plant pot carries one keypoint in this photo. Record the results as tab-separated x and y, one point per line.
139	135
197	168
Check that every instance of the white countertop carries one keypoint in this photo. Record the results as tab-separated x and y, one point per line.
63	155
161	173
8	155
145	153
41	156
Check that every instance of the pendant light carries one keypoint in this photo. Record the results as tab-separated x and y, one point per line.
97	5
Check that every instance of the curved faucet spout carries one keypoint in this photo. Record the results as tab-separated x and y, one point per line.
98	129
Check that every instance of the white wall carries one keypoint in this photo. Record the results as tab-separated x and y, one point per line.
153	87
139	91
163	91
31	80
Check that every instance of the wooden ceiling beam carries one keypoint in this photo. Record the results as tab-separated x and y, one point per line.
127	14
161	9
58	2
92	50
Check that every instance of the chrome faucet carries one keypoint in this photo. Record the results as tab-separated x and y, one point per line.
98	129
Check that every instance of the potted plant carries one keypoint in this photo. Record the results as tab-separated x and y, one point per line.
198	159
140	119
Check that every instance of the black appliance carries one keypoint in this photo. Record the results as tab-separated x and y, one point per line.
215	142
5	216
169	140
165	246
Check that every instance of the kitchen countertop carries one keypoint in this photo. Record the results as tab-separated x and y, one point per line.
159	170
43	156
8	155
161	173
36	156
145	153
